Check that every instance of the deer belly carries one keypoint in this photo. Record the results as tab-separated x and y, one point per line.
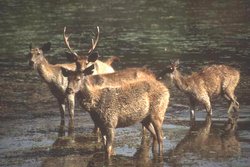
132	113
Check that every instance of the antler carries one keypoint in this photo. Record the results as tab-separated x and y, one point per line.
67	43
94	43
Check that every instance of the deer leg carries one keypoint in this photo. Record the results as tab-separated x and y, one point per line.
159	134
207	104
71	102
62	109
61	131
150	128
232	100
104	137
143	130
110	138
230	103
192	109
96	131
208	123
71	128
148	125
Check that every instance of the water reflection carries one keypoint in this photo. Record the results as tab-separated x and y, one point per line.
209	141
141	157
71	149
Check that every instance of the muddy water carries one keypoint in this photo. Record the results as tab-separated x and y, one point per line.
141	33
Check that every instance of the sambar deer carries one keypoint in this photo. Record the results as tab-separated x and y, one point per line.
122	105
201	86
52	74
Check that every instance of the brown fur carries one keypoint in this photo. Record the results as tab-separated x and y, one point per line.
121	77
142	101
116	79
210	82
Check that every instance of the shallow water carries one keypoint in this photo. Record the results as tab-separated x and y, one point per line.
141	33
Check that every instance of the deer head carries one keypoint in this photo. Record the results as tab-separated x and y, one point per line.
75	78
73	56
36	54
170	69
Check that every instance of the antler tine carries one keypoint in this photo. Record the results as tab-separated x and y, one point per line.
67	42
94	43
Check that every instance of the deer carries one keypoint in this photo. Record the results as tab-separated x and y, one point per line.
51	74
206	84
115	79
122	105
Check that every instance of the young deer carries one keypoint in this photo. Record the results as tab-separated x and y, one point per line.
122	105
201	86
52	74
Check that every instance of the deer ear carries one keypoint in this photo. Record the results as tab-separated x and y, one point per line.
30	46
177	62
89	70
66	72
71	57
93	57
46	47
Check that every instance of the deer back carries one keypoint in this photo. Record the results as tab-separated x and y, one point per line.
121	77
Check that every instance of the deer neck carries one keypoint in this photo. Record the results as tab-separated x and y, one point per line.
180	81
45	70
89	95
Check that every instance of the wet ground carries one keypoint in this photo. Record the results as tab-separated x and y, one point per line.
42	141
141	33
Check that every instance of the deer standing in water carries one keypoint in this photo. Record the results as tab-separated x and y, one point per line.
201	86
115	79
52	74
122	105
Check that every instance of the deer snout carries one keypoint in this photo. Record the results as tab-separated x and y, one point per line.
69	91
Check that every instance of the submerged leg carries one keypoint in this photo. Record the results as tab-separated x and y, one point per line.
96	131
110	138
61	131
71	128
159	134
192	109
149	126
146	123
